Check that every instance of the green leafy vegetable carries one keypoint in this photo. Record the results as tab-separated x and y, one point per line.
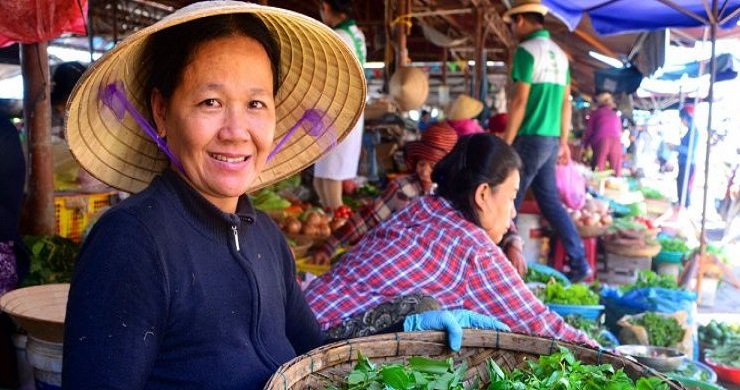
52	259
648	279
575	294
727	354
559	371
662	331
673	245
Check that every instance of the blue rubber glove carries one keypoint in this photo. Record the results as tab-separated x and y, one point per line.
452	321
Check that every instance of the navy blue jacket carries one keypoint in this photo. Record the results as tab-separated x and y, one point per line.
171	293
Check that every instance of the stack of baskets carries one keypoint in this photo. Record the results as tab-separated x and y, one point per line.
329	365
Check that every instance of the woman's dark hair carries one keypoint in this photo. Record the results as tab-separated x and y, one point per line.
168	52
341	6
475	159
64	79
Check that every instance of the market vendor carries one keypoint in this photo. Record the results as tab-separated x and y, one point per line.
184	285
462	113
421	156
443	246
604	135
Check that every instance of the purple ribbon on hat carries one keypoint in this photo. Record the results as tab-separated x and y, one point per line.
315	128
114	97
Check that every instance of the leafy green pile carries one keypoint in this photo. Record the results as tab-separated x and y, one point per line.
593	329
52	259
673	245
691	370
575	294
418	373
535	275
648	279
562	370
662	331
727	354
559	371
651	193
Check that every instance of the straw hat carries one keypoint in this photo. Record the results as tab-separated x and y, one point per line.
318	71
409	87
605	98
464	107
40	310
435	143
523	6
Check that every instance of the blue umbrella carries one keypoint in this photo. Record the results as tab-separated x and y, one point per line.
621	16
727	67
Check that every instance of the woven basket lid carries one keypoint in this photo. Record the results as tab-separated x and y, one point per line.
40	310
409	87
318	72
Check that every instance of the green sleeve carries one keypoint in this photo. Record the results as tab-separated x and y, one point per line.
523	66
567	76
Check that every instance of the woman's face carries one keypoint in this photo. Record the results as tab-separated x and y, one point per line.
496	206
424	170
220	120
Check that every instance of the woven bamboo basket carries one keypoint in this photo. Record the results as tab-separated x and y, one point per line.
329	365
40	310
591	231
629	251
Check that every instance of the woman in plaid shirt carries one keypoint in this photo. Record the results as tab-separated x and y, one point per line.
421	156
443	246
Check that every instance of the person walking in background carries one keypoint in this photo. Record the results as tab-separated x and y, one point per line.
341	162
686	156
539	122
603	135
462	113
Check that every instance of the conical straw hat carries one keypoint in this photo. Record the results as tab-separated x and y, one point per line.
465	107
409	88
525	6
40	310
319	73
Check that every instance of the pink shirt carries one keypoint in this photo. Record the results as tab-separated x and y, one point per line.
465	126
603	123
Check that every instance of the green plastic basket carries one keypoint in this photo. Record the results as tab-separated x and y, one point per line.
668	257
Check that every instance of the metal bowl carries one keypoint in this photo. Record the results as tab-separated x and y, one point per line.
659	358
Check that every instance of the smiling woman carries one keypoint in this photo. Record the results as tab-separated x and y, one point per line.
184	284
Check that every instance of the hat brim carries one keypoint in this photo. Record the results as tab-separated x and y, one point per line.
535	8
417	150
467	109
318	71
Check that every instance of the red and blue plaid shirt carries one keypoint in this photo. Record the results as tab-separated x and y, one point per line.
430	248
397	195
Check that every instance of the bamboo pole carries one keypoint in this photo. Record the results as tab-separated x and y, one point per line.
37	119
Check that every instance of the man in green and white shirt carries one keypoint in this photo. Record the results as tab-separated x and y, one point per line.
539	122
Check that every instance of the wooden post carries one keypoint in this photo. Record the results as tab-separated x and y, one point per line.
400	33
445	55
37	119
480	55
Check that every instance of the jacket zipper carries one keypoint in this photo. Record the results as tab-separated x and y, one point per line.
236	237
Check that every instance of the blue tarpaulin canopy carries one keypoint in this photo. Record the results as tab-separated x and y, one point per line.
727	67
621	16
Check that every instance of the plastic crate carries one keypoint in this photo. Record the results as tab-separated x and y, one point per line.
73	211
623	269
